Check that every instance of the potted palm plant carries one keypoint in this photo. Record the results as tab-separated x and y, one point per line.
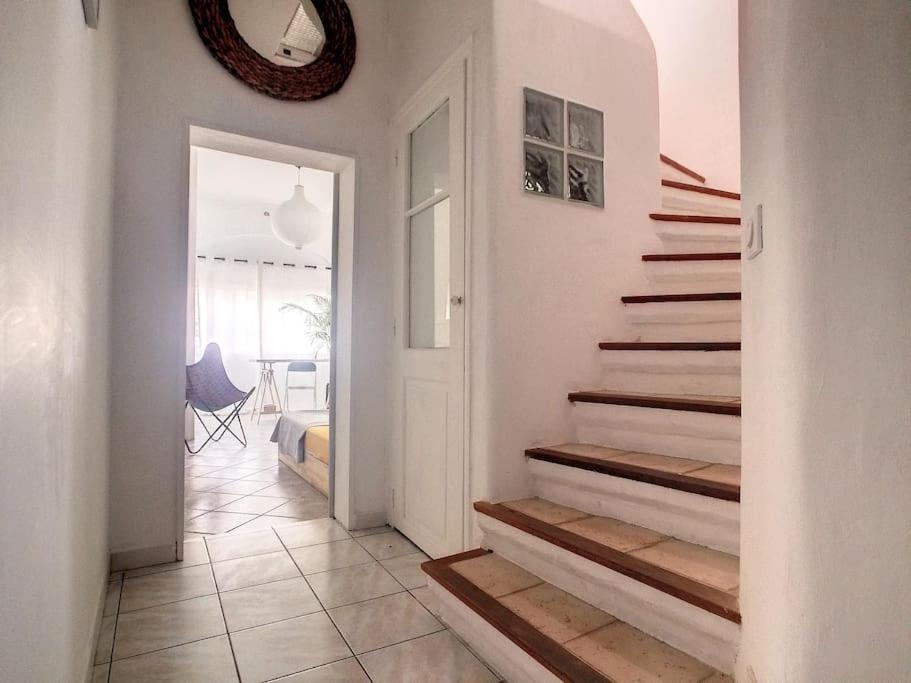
318	320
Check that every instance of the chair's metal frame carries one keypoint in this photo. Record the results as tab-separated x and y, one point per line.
224	426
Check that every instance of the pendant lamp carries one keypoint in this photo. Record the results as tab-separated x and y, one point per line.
296	221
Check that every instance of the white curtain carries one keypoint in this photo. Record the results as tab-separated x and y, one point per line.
227	313
239	307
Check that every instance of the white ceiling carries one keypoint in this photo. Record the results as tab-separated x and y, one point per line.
232	194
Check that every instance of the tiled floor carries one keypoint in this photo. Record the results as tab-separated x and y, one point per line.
301	602
231	489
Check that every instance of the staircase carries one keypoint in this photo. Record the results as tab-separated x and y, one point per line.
624	566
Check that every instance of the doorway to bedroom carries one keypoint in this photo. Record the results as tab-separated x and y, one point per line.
262	393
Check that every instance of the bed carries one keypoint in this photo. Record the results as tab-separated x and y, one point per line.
303	445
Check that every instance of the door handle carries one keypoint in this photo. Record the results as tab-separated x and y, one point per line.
456	300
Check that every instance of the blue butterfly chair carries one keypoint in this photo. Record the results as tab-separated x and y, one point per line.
209	390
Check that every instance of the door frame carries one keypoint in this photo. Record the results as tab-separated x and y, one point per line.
461	58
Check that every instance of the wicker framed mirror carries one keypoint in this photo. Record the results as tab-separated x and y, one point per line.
304	50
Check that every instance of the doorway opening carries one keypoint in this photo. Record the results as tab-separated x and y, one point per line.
270	256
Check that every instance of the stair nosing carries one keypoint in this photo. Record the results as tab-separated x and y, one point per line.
669	346
707	256
646	475
671	298
694	218
657	401
680	167
676	184
700	595
545	650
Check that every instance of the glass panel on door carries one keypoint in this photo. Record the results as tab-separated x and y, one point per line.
428	284
430	157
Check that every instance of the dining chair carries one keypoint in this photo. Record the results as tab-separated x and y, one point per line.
300	367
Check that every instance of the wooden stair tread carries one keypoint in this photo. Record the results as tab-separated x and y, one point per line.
682	474
713	256
694	218
562	633
695	574
700	188
680	167
664	298
669	346
700	404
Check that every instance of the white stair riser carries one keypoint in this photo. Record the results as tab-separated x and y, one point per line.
510	661
680	433
698	519
675	200
686	320
694	276
704	635
710	373
682	238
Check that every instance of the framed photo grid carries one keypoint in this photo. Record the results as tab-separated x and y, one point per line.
564	149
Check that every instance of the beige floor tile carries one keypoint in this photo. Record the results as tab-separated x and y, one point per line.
625	654
273	475
723	474
199	470
208	500
495	575
384	621
544	510
260	523
718	677
325	556
157	589
352	584
203	484
194	553
437	658
156	628
357	533
614	533
258	605
105	640
194	536
663	463
311	532
112	597
217	522
287	647
426	597
407	569
302	509
253	505
345	671
223	548
287	489
242	487
238	471
697	562
100	673
385	546
556	613
205	661
252	571
190	513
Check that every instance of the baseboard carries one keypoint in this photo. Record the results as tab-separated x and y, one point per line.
368	520
96	631
143	557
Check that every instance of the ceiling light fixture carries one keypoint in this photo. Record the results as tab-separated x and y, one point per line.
296	221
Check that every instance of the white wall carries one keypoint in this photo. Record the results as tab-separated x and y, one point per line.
56	120
169	80
558	269
826	513
696	46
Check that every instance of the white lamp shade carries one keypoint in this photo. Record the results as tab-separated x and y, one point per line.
296	222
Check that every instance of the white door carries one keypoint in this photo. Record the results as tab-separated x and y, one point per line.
428	500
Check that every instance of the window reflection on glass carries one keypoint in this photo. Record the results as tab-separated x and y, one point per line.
429	277
430	156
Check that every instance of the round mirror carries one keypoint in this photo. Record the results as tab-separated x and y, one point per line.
288	49
286	32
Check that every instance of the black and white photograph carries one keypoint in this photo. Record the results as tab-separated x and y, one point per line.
586	180
543	117
543	170
586	128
